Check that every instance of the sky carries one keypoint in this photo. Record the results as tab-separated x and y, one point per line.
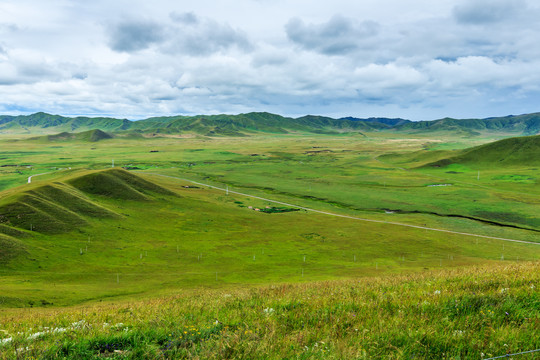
414	59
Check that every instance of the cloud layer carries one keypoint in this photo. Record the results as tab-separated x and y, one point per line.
134	59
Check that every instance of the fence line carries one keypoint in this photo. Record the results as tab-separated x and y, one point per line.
508	355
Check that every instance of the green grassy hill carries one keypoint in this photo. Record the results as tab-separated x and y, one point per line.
49	209
118	184
88	136
513	152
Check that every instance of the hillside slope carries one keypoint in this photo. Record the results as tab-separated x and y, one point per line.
89	136
516	151
60	207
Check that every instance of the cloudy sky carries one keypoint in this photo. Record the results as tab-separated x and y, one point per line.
416	59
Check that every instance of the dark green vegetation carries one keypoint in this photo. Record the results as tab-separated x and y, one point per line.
244	124
466	313
83	233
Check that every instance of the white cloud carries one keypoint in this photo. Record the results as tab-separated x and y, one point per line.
370	58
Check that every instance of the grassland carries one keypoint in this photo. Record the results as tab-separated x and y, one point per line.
466	313
81	235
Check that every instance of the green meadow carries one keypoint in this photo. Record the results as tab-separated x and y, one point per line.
158	244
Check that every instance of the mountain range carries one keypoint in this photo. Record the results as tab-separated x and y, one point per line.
255	122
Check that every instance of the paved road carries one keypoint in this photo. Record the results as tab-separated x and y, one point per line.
351	217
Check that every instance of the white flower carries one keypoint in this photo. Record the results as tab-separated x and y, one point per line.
5	341
269	311
79	324
437	292
36	335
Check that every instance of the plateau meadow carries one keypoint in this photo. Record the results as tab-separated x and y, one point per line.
342	244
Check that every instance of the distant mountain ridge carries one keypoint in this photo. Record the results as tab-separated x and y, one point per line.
243	124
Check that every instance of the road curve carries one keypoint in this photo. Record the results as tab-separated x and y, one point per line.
30	177
350	217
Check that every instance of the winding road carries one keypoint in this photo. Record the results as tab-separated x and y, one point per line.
350	217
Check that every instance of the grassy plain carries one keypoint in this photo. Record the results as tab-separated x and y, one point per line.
200	242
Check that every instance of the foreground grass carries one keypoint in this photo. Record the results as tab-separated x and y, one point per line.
466	313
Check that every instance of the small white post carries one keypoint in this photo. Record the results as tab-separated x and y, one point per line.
112	162
227	189
253	257
304	258
118	278
80	251
502	257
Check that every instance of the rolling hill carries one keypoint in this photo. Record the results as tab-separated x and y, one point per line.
62	206
255	122
515	151
89	136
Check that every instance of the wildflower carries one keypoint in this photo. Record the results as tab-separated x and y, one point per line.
5	341
437	292
36	335
269	311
